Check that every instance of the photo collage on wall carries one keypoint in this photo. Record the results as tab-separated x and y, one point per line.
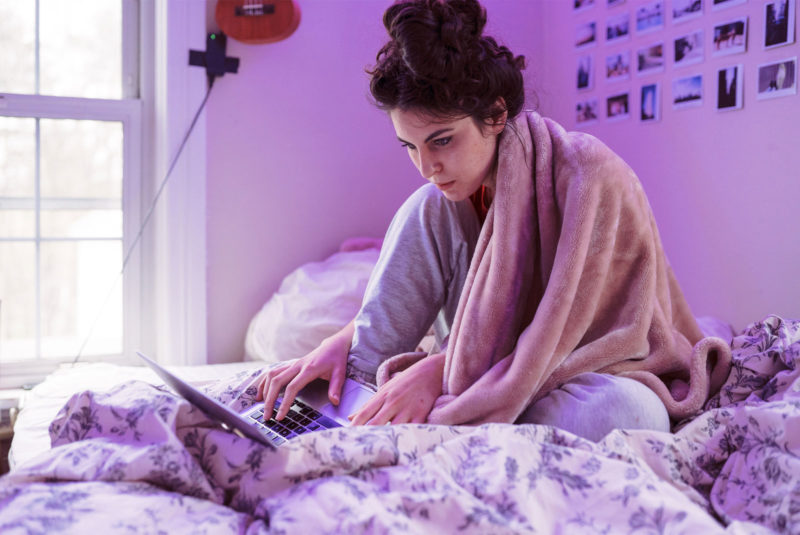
623	42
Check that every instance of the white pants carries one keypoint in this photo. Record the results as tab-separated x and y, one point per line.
591	405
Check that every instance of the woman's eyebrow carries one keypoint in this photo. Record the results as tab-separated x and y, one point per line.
433	135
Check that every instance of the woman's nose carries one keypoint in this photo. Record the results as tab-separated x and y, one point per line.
428	165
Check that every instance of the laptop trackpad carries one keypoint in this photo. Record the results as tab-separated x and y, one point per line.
314	393
354	396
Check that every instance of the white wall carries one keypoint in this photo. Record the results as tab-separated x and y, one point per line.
299	159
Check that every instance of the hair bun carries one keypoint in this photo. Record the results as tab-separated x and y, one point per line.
462	21
438	59
436	39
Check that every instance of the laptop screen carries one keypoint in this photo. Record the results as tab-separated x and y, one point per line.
211	407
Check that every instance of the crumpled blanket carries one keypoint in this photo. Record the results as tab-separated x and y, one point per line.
569	276
140	460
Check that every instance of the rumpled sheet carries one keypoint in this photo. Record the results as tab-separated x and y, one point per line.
140	460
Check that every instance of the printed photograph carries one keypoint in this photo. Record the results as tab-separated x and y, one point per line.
618	66
585	78
777	79
586	111
730	38
729	88
650	17
650	59
722	4
612	3
689	49
778	23
618	28
687	92
586	35
683	10
617	107
580	5
650	110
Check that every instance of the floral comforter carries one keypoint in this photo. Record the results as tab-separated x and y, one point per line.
140	460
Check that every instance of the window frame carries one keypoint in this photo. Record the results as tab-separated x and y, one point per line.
165	300
128	113
175	253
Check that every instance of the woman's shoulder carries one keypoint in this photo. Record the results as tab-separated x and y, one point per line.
588	156
535	121
426	198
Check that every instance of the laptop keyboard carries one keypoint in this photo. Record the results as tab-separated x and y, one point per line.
300	419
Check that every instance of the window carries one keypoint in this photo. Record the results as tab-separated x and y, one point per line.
70	185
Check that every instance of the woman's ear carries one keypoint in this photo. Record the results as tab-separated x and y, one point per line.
500	117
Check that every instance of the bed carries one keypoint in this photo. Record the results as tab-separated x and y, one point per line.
108	449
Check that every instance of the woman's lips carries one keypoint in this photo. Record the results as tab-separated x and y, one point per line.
445	185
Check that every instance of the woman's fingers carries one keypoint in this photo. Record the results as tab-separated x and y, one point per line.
400	415
265	380
273	385
392	407
381	410
368	410
328	361
294	386
260	386
385	414
294	377
400	418
338	375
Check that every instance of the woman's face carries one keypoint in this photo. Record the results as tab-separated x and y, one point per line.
456	155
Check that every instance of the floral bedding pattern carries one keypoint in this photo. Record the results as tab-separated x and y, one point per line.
140	460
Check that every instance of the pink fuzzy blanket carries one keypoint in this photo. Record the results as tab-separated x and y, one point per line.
569	276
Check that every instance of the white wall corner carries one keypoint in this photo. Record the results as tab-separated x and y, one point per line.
175	288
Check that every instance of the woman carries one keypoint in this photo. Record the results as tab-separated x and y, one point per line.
532	252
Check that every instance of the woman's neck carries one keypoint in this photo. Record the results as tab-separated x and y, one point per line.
490	183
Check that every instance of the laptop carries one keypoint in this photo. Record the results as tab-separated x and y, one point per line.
310	411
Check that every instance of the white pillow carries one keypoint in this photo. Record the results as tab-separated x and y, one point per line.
313	302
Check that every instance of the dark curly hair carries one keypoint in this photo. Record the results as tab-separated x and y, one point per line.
438	60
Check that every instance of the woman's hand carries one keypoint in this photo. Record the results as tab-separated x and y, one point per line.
408	397
328	361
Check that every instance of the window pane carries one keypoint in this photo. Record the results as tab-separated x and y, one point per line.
76	279
17	176
17	224
82	223
81	159
17	301
17	156
17	34
80	48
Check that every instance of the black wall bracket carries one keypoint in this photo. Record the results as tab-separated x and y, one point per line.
214	59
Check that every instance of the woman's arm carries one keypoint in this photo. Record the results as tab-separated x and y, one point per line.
408	397
327	361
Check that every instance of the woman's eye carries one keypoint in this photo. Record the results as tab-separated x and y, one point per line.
442	141
408	146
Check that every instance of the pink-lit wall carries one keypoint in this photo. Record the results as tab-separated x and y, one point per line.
298	157
724	186
299	160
